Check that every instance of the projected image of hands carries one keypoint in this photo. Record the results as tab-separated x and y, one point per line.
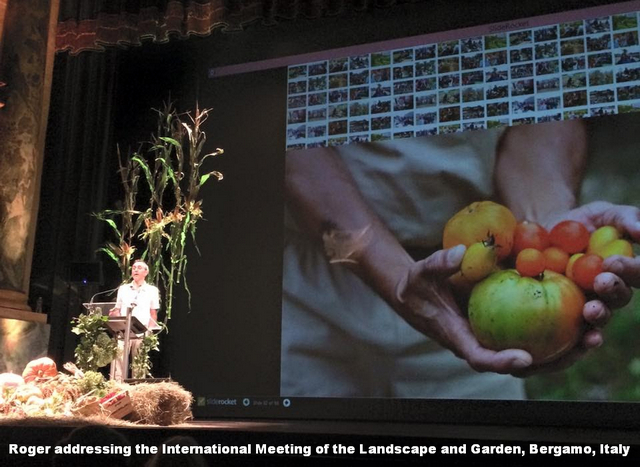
492	264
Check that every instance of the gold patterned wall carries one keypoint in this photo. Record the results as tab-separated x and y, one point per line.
26	56
3	9
20	342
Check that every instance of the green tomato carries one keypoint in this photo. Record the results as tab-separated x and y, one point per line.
542	316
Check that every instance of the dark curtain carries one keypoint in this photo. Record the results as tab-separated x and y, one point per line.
91	25
77	167
95	24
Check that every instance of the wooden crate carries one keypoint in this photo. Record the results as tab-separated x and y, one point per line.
87	410
116	405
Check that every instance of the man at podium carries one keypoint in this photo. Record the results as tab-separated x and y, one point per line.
144	299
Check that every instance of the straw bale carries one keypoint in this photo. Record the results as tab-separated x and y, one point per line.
163	403
61	420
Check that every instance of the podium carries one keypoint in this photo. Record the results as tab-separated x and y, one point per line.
124	328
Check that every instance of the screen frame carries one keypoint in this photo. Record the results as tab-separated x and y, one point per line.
458	411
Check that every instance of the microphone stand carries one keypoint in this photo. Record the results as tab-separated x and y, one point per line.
101	293
127	336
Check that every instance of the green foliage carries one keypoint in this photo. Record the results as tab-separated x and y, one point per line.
624	22
611	372
141	364
95	349
92	381
171	165
495	42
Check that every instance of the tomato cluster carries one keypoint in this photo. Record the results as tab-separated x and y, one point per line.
567	249
527	285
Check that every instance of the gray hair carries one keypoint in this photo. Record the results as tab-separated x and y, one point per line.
139	261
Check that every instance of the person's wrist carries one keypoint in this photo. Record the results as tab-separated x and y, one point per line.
403	302
387	269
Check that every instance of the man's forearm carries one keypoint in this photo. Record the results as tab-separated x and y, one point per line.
327	203
539	168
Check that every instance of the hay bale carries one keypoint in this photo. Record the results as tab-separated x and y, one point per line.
59	420
163	403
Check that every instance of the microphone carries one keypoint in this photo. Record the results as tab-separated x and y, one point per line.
104	292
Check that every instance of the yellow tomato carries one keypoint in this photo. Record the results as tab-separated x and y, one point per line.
569	271
601	237
616	247
479	222
478	261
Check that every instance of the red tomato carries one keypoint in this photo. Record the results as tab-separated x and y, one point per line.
556	259
585	270
529	235
530	262
570	236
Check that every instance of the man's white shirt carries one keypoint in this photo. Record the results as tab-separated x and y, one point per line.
143	299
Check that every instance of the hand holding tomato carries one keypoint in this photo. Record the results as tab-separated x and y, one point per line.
612	287
425	301
502	326
620	273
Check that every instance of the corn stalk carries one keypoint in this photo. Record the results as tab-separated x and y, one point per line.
124	223
159	227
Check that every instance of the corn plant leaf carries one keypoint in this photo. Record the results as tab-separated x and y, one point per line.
109	212
188	128
109	253
200	144
138	223
192	230
205	177
111	223
169	170
145	168
185	285
171	141
217	152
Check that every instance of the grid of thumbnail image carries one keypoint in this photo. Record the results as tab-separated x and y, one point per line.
563	71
